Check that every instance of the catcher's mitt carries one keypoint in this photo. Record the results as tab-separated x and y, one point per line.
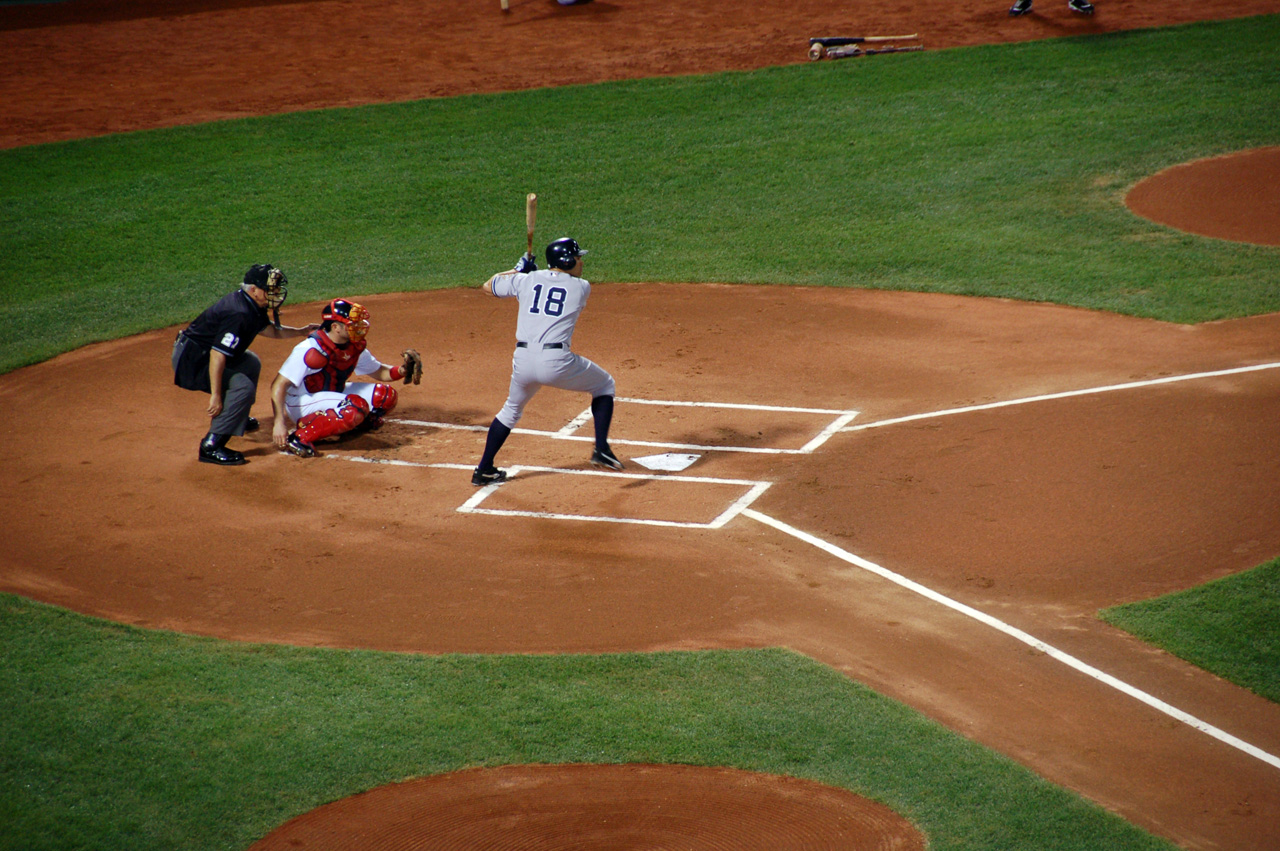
412	366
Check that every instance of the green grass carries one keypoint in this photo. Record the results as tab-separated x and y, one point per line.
115	737
1230	626
993	170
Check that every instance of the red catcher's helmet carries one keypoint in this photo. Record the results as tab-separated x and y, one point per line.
355	317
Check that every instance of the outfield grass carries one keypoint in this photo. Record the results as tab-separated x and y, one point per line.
1230	626
990	170
995	171
133	739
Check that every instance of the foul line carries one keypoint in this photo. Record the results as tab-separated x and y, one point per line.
1014	632
1065	395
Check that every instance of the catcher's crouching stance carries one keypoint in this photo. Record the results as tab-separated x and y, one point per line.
312	390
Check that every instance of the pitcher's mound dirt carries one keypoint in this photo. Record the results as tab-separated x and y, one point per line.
606	807
1234	197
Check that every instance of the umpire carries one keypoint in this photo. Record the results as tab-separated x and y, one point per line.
211	355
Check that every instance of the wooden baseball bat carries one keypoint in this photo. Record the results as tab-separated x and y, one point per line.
845	51
506	6
837	41
872	51
530	216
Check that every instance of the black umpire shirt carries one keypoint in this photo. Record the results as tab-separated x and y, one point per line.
229	326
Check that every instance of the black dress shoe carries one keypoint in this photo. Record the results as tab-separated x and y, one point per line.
213	451
251	424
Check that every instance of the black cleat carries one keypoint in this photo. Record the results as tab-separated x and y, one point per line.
491	476
606	458
1084	7
297	446
1020	7
212	451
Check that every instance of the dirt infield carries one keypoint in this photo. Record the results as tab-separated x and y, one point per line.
1035	513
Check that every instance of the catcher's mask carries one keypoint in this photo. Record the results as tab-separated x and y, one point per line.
271	281
564	253
355	317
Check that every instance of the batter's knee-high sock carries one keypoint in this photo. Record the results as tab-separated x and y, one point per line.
602	414
497	436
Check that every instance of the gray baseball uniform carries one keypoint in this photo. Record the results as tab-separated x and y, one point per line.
550	302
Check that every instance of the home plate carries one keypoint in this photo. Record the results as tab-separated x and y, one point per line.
671	461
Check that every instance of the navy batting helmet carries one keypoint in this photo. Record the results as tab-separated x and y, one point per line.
564	253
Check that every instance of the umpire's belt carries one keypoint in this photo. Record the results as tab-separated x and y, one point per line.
541	345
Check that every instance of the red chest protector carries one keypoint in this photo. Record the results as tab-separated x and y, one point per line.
335	364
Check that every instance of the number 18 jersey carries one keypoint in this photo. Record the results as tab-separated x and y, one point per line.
550	302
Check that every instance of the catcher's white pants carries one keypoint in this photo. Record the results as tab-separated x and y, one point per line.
534	368
303	404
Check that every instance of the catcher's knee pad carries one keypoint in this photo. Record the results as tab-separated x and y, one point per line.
384	399
350	412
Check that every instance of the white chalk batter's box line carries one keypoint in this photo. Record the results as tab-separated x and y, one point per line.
842	418
472	505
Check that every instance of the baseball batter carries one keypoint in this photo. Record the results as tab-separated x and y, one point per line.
311	387
551	301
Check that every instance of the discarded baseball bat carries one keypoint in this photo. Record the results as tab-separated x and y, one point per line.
818	51
841	40
910	48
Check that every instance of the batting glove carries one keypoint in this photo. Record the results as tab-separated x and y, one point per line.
526	264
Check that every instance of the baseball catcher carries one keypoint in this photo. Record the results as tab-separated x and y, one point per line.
312	391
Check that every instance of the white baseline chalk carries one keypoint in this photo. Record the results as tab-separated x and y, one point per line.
1014	632
1064	395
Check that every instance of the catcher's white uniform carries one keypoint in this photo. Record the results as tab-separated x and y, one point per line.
319	384
550	302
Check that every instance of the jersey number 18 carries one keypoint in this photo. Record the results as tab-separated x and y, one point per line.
555	301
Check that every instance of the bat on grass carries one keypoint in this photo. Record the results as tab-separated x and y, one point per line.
838	41
818	51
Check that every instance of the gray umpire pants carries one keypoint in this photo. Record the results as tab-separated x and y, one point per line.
239	389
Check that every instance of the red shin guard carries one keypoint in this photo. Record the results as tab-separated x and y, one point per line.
349	414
